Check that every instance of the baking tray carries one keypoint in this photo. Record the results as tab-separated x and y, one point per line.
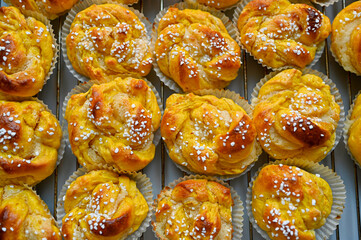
162	170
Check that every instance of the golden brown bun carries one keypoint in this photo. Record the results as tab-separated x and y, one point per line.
26	53
24	216
195	50
280	34
113	124
127	1
289	203
354	132
296	116
104	205
109	41
49	8
194	209
209	135
217	4
346	37
30	137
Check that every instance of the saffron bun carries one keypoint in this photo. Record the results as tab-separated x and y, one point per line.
26	53
105	204
23	215
217	4
51	9
194	49
296	116
290	203
195	208
354	131
108	41
209	135
280	34
113	124
30	138
346	38
128	1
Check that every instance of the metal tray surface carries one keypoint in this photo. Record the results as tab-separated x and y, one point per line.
162	171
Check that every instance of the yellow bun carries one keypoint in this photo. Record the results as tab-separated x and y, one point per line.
354	132
30	137
128	1
49	8
23	215
113	124
296	116
109	41
194	209
217	4
106	206
290	203
279	33
209	135
195	50
26	53
346	37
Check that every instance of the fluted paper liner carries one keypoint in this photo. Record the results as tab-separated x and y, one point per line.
143	184
333	89
82	88
348	124
231	29
220	93
82	5
318	54
237	209
338	194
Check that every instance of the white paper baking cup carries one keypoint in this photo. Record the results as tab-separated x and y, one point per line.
237	13
143	184
237	209
231	29
49	27
82	5
347	125
334	91
220	93
338	194
82	88
213	8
